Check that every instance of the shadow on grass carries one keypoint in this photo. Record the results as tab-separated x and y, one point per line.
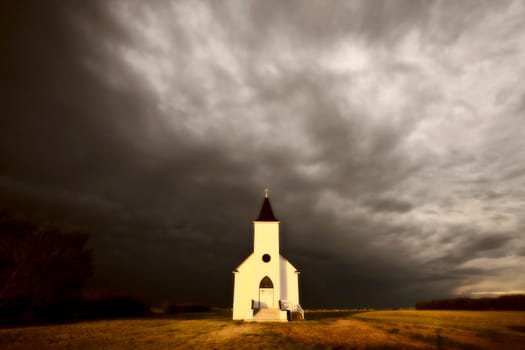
318	315
441	342
219	314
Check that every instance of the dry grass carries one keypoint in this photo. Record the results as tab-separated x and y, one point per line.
456	329
329	330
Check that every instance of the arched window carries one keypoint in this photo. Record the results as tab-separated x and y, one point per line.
266	282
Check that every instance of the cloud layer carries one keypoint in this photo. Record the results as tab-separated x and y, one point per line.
390	134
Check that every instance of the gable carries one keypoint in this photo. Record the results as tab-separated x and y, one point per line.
245	263
288	263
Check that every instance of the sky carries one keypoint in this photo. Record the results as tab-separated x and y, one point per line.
391	135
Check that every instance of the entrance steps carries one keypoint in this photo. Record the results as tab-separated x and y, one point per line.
269	315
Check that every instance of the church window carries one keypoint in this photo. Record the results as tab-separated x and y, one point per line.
266	282
266	258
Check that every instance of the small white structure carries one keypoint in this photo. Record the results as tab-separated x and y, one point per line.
266	285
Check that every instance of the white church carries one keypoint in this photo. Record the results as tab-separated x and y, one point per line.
266	286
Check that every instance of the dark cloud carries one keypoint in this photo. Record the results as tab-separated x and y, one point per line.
389	205
393	161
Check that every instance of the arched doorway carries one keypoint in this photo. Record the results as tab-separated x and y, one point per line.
266	293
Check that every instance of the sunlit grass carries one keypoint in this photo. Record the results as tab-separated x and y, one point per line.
466	329
501	321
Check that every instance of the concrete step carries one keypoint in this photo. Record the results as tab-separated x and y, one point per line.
268	315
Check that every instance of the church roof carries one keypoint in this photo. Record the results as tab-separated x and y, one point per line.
266	213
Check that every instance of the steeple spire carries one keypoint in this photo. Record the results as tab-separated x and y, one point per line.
266	213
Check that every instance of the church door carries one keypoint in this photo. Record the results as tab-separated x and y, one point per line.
266	293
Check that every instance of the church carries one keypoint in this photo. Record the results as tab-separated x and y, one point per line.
266	286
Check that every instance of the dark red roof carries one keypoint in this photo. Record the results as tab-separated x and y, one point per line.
266	213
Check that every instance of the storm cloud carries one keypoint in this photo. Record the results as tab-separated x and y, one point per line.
391	135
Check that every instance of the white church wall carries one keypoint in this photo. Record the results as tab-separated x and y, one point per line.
292	276
266	238
289	281
284	277
266	241
270	269
241	303
244	290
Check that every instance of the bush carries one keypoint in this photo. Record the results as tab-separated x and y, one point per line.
40	266
184	308
110	306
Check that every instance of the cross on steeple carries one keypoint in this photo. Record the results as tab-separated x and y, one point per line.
266	213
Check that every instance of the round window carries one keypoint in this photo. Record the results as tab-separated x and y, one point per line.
266	257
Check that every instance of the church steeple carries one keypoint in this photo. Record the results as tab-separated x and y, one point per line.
266	213
265	280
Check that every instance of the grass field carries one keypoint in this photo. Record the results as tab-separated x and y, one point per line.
323	330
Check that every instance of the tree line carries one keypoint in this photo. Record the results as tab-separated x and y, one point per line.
504	302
